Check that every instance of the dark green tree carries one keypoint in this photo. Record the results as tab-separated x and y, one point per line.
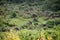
53	5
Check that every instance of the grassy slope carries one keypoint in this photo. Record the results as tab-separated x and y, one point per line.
21	21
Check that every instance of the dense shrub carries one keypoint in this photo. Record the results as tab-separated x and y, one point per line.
14	15
52	23
9	36
29	34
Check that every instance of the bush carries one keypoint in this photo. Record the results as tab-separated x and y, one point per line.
52	23
29	34
14	15
9	36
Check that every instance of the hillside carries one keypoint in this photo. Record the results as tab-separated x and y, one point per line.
29	20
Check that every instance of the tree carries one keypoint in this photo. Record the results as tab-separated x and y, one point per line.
52	5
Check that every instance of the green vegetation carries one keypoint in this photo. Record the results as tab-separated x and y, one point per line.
29	19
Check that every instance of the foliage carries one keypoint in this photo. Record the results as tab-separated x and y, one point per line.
52	5
29	34
20	12
14	15
53	22
9	36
